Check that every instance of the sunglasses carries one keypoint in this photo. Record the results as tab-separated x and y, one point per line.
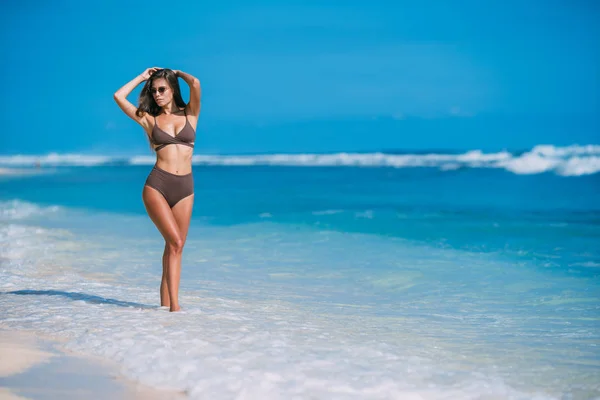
160	90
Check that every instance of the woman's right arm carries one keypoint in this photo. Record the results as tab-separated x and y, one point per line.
120	97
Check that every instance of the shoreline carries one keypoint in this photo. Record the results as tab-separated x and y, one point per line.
36	366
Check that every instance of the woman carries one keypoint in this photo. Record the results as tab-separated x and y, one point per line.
169	190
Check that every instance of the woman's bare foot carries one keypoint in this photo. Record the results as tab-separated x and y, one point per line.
172	309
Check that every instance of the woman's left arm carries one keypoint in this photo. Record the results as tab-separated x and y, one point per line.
195	92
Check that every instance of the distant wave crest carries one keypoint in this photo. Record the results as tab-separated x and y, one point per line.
572	160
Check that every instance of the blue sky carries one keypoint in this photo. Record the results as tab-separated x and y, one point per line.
302	76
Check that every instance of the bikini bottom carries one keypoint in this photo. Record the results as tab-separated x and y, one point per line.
173	187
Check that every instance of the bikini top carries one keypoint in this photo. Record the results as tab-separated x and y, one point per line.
186	136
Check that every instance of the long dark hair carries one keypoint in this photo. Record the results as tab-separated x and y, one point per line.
146	103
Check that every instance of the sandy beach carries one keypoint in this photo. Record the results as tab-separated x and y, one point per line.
35	367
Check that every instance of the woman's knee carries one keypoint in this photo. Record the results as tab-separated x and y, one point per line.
175	245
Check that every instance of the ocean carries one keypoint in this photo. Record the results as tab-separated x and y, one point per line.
320	276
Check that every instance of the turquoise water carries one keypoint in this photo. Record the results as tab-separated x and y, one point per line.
319	282
480	210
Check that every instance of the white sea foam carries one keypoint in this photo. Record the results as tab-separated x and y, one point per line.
142	160
55	159
572	160
576	166
247	339
327	212
230	348
21	171
17	210
573	150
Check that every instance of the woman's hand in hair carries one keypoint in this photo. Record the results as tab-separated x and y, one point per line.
148	72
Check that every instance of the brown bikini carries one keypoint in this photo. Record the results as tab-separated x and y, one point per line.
173	187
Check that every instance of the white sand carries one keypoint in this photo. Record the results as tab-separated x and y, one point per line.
32	366
6	394
18	353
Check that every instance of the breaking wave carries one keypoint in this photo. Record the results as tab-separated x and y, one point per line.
574	160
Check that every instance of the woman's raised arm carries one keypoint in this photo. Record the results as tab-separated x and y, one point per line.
120	97
195	92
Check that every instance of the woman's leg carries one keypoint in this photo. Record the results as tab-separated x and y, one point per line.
164	290
160	213
182	213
